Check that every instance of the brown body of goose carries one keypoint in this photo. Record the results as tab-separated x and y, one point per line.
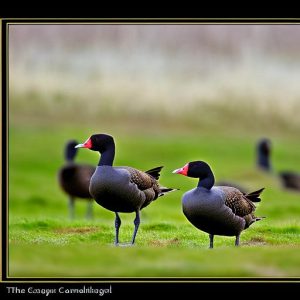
74	179
121	189
217	210
291	180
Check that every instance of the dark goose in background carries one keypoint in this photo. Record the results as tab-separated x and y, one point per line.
74	179
289	180
217	210
263	150
121	189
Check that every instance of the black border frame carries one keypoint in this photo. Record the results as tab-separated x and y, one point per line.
122	285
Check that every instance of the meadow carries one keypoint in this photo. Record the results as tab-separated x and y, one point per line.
167	113
44	242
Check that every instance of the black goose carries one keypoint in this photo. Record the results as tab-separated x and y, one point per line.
217	210
263	150
289	180
74	179
121	189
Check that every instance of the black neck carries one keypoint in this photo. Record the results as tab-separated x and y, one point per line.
207	181
264	161
70	154
107	156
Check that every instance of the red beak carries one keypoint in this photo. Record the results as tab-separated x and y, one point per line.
182	171
87	144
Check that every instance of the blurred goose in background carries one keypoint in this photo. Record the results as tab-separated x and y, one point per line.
217	210
289	179
74	179
263	150
121	189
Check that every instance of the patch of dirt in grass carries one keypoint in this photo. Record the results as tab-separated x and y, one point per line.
256	241
78	230
164	243
266	271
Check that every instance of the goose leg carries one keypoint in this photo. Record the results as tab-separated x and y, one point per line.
211	241
237	240
117	226
89	212
71	207
136	225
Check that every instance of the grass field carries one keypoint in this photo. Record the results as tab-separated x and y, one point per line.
44	242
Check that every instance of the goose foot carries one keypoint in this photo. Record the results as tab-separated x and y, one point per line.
89	211
211	241
125	245
136	226
117	226
237	240
71	208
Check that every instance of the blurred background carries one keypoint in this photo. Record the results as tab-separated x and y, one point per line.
195	74
169	94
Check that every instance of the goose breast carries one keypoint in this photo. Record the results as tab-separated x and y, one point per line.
206	210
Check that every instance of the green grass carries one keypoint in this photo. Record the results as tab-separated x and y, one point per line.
44	242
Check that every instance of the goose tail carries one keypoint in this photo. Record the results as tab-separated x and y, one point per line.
254	196
155	172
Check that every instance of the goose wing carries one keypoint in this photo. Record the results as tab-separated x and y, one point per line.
143	180
238	202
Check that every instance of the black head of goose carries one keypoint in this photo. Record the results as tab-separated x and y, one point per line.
121	189
217	210
289	179
74	179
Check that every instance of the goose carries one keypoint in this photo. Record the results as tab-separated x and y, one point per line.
289	179
121	189
263	150
74	179
217	210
